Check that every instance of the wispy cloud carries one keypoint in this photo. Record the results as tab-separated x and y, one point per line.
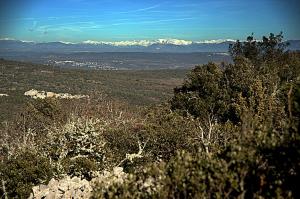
169	20
74	23
186	5
153	21
18	19
34	26
72	26
80	26
141	9
69	17
46	18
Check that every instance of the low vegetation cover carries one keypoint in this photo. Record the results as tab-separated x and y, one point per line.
135	87
230	131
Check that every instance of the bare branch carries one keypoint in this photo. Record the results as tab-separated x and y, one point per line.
132	156
4	190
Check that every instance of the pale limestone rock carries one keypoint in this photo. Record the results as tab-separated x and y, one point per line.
52	183
51	195
35	94
31	92
118	171
75	187
64	188
50	94
40	95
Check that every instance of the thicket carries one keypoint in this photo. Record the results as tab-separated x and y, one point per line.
230	131
246	117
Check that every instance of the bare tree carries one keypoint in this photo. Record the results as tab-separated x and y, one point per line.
209	133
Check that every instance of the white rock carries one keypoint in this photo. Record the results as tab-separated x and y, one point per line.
118	171
40	95
50	94
31	92
35	94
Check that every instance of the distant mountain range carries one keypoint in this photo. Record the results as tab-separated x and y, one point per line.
160	45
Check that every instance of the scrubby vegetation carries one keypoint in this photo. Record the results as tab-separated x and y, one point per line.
230	131
135	87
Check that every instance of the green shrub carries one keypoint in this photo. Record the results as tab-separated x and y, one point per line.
246	117
22	172
255	166
82	167
78	143
162	133
217	89
202	93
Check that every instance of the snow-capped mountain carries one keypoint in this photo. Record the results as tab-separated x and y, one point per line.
159	45
146	43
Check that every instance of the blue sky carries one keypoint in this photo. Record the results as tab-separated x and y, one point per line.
117	20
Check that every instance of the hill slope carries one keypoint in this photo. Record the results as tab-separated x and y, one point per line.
134	87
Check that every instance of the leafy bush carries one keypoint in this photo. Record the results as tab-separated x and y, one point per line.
202	93
160	135
261	164
79	143
240	124
41	113
259	70
23	171
81	166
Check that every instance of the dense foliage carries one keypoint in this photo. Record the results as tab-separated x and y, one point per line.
248	141
230	131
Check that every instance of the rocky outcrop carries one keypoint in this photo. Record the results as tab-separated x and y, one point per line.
64	188
76	187
35	94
